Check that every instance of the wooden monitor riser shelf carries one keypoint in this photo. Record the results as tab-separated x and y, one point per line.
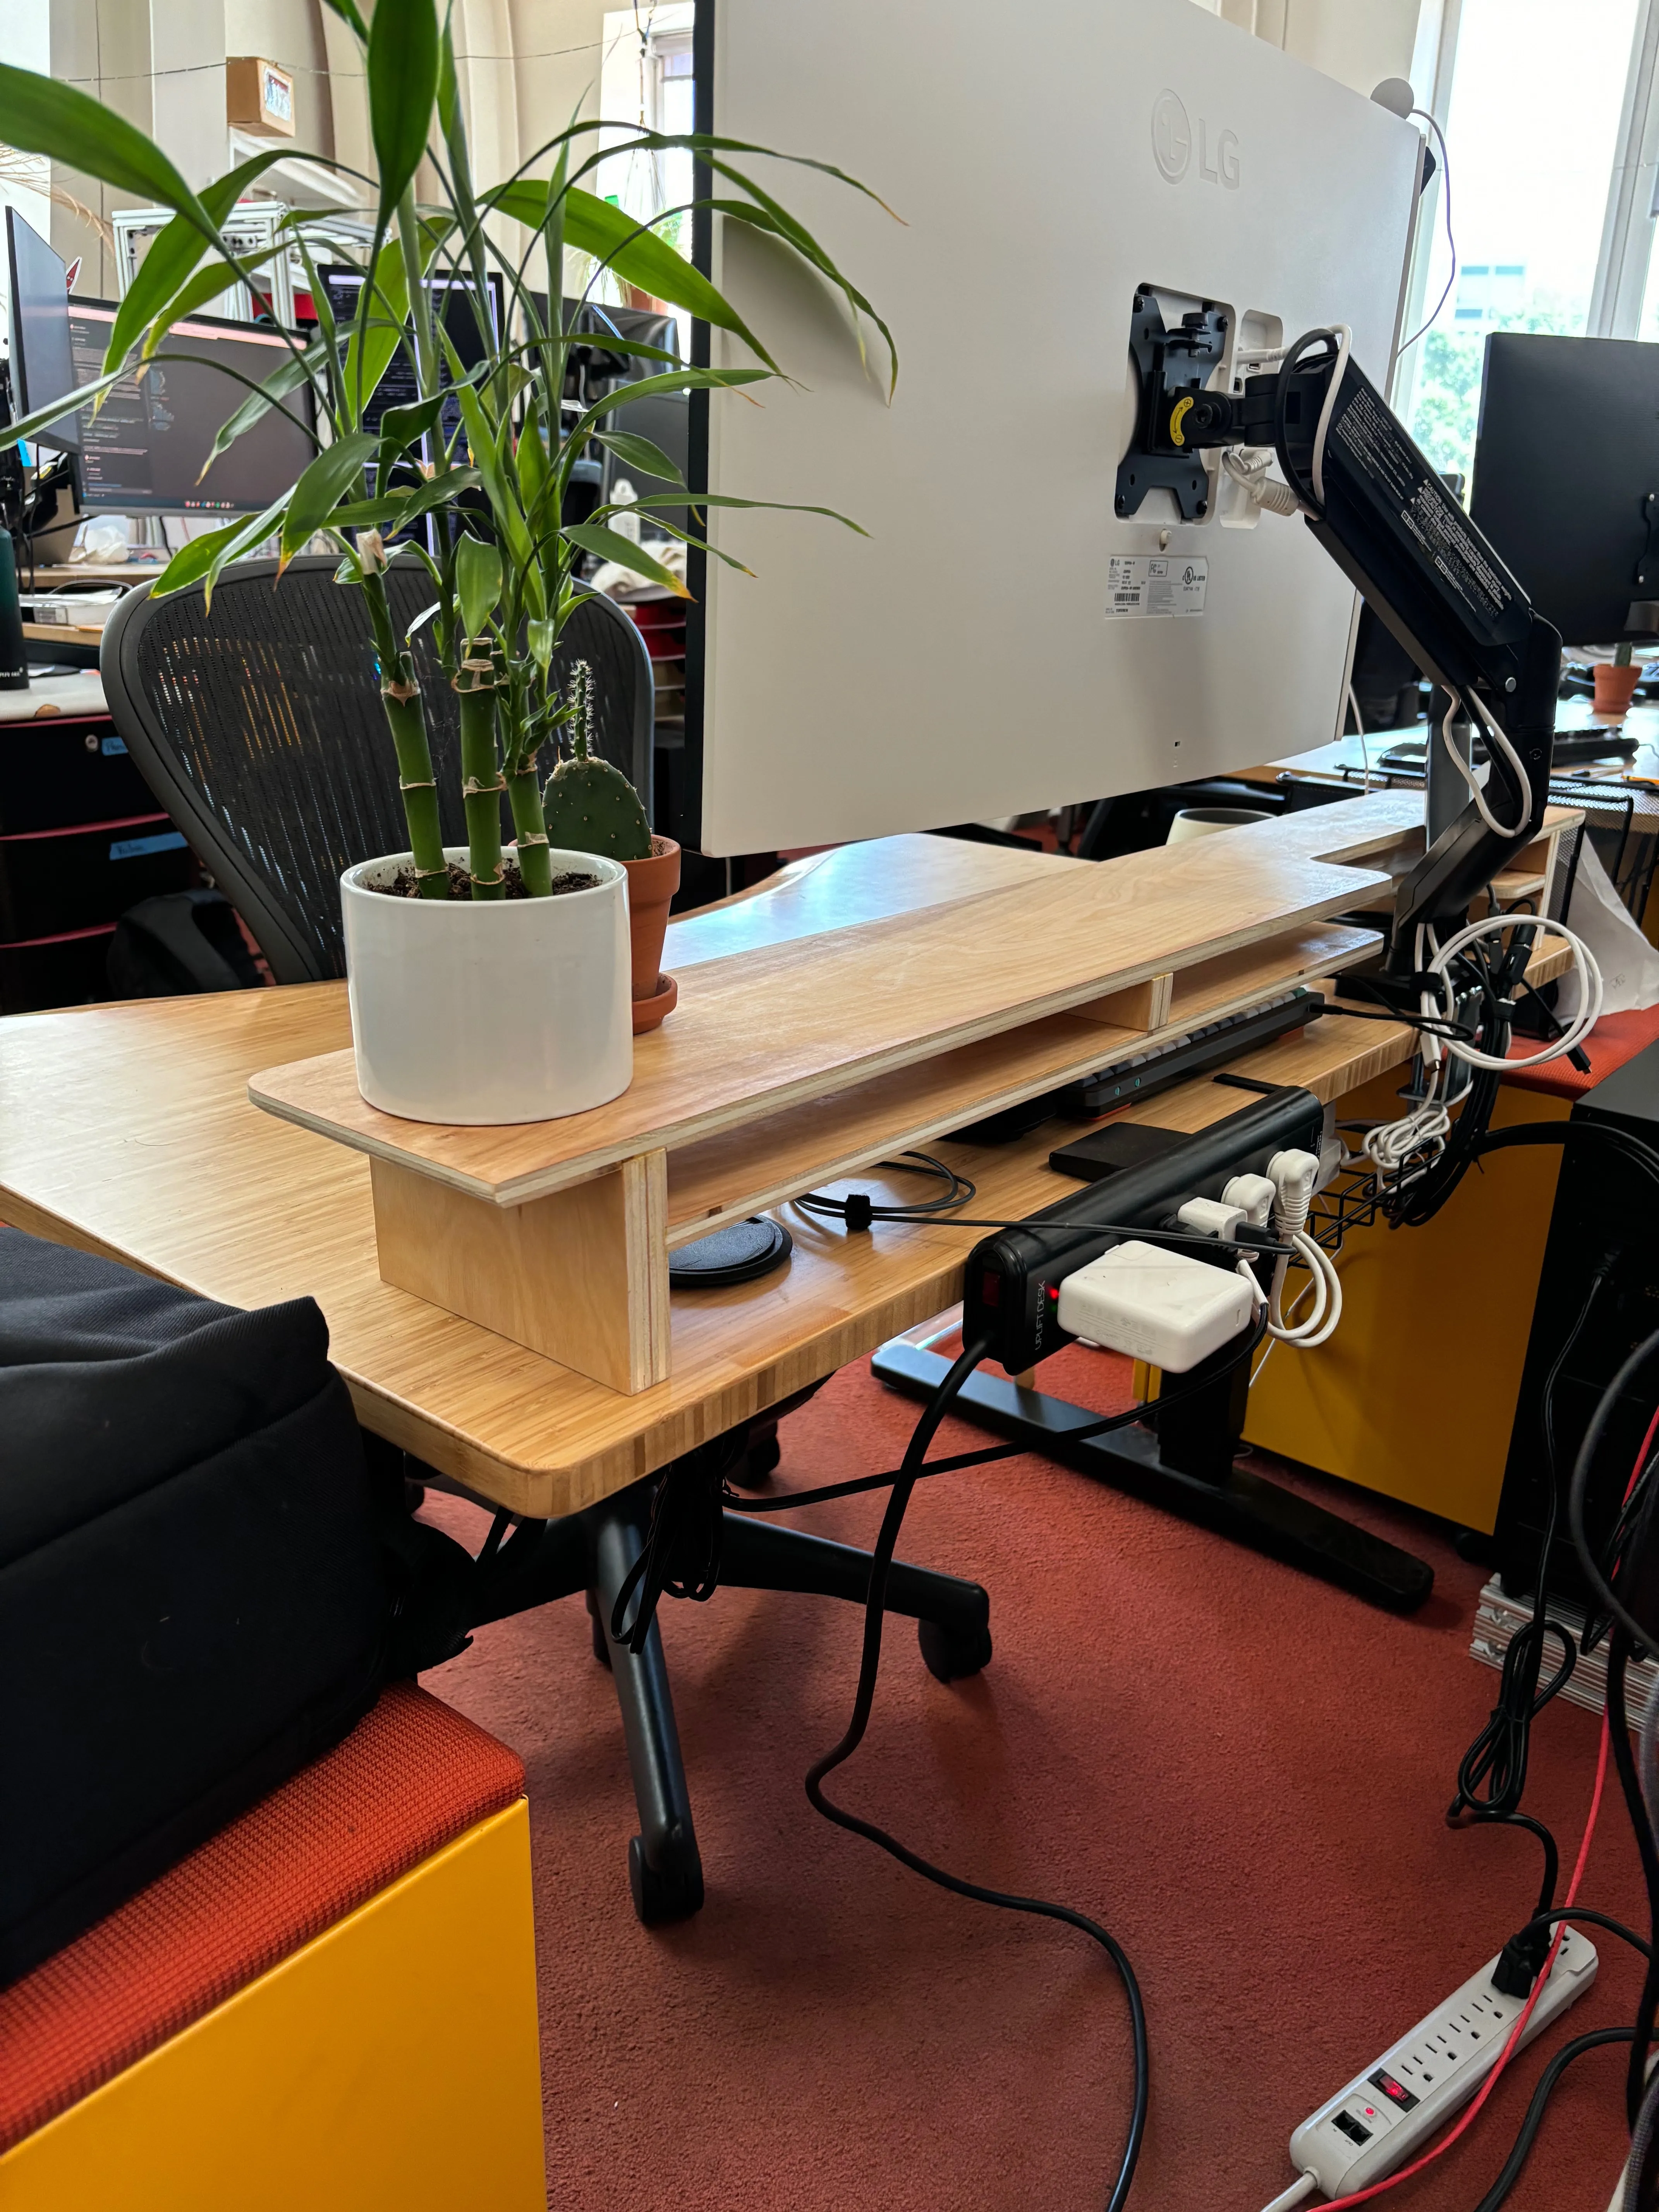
793	1061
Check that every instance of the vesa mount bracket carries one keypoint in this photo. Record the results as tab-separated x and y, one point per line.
1169	366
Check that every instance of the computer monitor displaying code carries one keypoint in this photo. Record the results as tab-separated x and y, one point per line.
452	299
148	448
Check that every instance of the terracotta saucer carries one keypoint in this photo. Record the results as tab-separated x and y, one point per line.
651	1014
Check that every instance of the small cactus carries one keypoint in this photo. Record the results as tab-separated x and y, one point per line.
591	806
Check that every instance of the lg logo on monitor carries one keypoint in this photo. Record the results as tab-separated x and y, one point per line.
1172	145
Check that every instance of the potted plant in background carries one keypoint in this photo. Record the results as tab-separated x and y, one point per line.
493	982
1615	683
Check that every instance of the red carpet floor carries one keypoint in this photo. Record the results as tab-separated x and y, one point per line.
1242	1773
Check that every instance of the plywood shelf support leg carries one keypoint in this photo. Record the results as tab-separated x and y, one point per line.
580	1276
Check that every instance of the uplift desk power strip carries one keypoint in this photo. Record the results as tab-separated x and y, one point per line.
1387	2115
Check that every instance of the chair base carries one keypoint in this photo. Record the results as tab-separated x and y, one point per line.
591	1553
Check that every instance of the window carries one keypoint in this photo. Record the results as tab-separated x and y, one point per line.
1538	128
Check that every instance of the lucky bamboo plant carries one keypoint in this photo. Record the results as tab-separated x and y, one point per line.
506	562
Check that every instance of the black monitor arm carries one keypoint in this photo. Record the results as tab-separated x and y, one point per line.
1374	503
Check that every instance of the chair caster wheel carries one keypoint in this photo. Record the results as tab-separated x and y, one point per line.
662	1895
601	1647
953	1654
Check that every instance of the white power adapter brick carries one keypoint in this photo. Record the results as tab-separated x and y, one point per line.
1212	1217
1155	1305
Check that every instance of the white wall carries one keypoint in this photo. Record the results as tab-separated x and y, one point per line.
1358	42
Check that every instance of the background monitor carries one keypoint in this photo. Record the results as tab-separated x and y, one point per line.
965	661
1566	478
42	356
145	451
452	297
664	418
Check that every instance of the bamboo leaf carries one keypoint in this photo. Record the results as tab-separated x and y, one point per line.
286	377
205	285
477	582
403	427
541	636
534	467
40	115
43	417
593	226
402	507
402	70
639	453
206	556
696	499
172	255
610	545
347	12
372	349
773	220
689	537
684	379
319	490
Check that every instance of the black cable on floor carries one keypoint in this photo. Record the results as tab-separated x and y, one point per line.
1491	1777
1541	2096
869	1665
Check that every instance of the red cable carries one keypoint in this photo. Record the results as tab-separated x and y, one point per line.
1361	2196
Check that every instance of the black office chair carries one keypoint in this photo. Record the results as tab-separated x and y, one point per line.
257	723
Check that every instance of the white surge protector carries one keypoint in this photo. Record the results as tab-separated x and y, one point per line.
1387	2115
1155	1305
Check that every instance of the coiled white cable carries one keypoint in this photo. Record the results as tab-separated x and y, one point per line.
1294	1173
1590	1009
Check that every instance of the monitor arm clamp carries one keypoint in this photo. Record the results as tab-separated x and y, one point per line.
1374	504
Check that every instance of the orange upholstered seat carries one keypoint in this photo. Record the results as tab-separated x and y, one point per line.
409	1779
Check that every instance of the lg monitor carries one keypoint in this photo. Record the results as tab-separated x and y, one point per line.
1003	639
1566	478
146	450
42	356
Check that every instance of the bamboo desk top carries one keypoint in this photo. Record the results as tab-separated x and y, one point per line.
127	1130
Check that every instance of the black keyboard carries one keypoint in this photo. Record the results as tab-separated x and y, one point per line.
1153	1068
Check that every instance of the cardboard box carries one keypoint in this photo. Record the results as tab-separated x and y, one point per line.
259	97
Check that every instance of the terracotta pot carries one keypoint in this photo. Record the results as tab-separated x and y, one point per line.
650	885
1616	687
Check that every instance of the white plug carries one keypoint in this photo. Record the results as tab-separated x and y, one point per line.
1294	1176
1154	1305
1213	1217
1255	1194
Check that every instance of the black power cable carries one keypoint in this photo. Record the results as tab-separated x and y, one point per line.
858	1209
1496	1762
1541	2096
869	1666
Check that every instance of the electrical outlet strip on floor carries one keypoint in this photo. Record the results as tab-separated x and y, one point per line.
1499	1617
1387	2115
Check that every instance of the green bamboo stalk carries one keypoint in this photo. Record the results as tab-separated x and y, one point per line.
482	784
405	715
523	794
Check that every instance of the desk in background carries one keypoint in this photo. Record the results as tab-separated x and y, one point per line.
81	840
1618	797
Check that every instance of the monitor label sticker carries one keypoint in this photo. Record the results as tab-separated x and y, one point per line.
1156	585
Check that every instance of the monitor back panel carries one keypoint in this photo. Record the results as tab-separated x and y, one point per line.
1565	462
970	656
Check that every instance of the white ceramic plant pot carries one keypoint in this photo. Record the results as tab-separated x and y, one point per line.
493	1010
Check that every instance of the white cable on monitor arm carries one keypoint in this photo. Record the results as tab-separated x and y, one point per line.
1500	739
1359	727
1344	346
1267	491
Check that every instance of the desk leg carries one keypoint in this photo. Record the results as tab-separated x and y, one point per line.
664	1868
1227	1499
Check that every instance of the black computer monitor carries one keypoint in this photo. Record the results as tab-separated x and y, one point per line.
452	297
42	357
145	451
1566	478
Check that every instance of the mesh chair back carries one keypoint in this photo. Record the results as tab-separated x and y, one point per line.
257	725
